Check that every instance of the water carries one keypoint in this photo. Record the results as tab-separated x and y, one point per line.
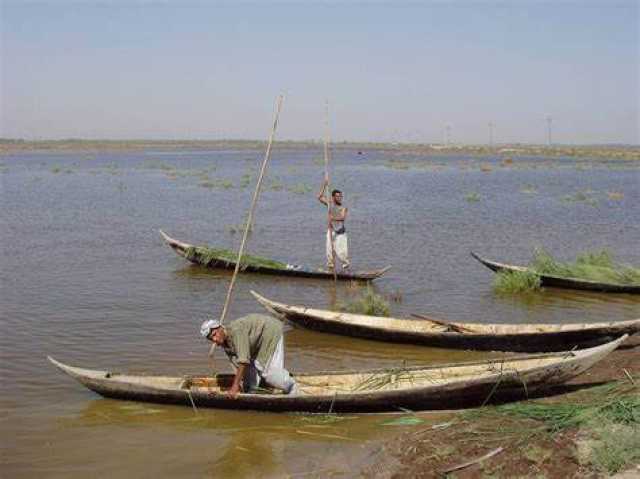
87	279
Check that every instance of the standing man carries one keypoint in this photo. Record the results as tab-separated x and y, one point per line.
255	346
337	244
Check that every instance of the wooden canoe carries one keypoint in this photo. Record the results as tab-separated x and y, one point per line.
291	270
416	388
560	282
453	335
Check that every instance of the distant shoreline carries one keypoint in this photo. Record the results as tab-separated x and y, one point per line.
620	152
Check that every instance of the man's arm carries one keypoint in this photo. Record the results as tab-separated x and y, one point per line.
237	380
321	197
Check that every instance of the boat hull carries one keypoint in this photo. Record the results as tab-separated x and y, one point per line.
293	271
501	384
514	338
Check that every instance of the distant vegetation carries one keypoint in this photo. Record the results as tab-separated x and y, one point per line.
510	152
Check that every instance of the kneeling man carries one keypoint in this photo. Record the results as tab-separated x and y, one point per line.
255	347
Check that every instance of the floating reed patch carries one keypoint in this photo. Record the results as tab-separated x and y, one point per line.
509	282
615	195
596	266
472	197
368	303
218	183
300	189
209	256
581	197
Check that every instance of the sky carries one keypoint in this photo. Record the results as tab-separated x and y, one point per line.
391	71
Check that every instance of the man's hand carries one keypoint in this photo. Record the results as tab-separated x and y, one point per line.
234	390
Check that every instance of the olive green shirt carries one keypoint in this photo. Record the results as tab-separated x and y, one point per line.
252	337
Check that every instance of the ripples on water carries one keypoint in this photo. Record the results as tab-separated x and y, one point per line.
86	278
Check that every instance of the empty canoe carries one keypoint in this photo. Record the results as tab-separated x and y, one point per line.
454	335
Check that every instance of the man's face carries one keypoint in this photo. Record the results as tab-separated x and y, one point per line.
337	198
217	336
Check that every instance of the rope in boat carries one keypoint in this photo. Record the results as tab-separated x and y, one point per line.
327	189
256	193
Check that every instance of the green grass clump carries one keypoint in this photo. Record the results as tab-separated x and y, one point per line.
300	189
472	197
610	415
209	256
508	282
368	303
592	266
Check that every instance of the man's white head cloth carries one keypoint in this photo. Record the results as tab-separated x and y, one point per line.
208	325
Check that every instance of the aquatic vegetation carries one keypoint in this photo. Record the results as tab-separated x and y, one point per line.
368	303
208	256
245	180
218	183
157	165
581	196
592	266
472	197
398	164
276	185
508	282
300	189
615	195
528	189
56	169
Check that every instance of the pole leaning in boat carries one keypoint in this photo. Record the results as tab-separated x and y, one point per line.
256	193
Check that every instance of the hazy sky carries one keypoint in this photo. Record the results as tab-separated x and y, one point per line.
392	71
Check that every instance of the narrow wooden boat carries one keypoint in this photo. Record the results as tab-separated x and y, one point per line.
453	335
560	282
290	270
416	388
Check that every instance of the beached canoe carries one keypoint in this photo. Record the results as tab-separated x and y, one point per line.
453	335
416	388
560	282
192	254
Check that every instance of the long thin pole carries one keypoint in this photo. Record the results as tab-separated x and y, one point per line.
256	193
327	194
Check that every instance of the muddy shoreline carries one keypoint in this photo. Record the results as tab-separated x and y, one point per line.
427	450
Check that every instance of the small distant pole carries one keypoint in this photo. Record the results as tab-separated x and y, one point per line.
491	134
549	121
447	134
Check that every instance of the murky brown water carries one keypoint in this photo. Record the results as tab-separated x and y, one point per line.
86	279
